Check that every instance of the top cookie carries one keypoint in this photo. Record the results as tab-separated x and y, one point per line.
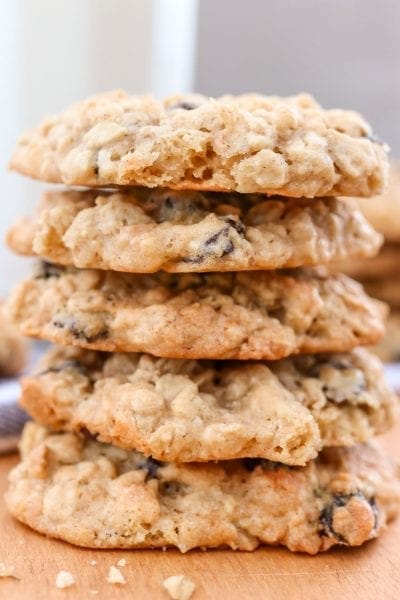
250	143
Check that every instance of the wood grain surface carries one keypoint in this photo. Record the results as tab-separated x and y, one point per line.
369	572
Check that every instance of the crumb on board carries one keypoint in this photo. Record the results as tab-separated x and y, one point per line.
7	570
121	562
64	580
179	587
93	563
115	576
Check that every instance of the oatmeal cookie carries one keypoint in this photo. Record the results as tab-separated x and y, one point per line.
385	264
145	231
386	289
249	143
388	348
384	212
185	410
95	495
248	315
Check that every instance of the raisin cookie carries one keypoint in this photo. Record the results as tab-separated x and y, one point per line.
384	212
95	495
386	289
146	231
385	264
248	315
249	144
388	348
182	410
13	348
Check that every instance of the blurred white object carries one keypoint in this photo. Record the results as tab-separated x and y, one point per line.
174	46
55	53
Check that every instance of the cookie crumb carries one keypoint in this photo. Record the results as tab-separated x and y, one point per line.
179	587
64	580
93	563
115	576
7	570
121	562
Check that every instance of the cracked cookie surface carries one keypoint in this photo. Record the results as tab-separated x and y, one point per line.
182	410
250	143
95	495
145	231
261	314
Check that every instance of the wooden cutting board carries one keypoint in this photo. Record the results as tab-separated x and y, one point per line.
371	572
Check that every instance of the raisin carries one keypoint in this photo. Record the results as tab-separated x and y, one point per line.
184	105
228	249
236	224
195	260
88	435
151	466
214	238
267	465
338	501
81	332
172	488
67	364
45	270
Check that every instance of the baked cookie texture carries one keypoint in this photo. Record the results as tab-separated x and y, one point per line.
144	231
388	348
387	289
95	495
13	348
384	265
250	315
384	212
249	144
180	410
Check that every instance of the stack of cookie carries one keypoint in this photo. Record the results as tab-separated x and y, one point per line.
195	327
380	275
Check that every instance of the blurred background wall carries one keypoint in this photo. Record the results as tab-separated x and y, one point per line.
53	52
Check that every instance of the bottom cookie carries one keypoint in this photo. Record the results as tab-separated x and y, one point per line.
95	495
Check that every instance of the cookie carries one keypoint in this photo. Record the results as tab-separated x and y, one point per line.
388	348
386	289
249	144
147	231
13	348
249	315
384	212
95	495
385	264
181	410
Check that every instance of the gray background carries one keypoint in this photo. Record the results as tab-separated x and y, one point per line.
345	52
